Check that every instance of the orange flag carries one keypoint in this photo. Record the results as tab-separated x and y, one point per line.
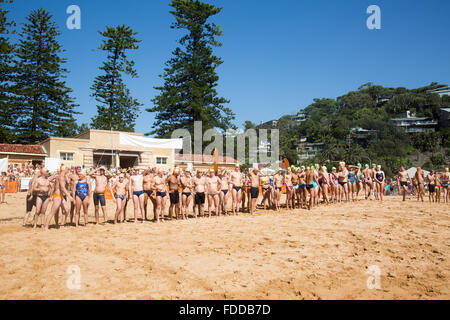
286	162
215	160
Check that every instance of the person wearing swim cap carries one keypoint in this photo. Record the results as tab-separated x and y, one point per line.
402	181
187	193
289	188
120	193
310	176
199	183
335	195
213	189
60	199
380	180
295	183
81	192
368	181
224	187
324	182
302	187
236	185
419	177
278	186
101	178
174	194
446	185
31	196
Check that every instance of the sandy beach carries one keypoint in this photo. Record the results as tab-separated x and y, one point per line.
319	254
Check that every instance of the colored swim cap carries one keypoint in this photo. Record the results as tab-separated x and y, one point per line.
334	168
324	168
211	170
186	170
446	169
366	165
359	165
374	165
316	165
379	166
121	175
303	167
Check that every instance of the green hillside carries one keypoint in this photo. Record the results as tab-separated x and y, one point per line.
332	121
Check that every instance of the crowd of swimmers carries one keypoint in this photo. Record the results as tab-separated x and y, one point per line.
185	192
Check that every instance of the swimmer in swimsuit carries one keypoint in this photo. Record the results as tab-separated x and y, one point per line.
81	194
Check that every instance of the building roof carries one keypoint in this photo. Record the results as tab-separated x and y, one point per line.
411	119
199	158
447	88
20	148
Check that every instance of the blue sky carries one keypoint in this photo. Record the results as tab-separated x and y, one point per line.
278	55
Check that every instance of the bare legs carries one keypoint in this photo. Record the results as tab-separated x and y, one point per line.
236	195
85	204
160	208
41	208
213	199
138	203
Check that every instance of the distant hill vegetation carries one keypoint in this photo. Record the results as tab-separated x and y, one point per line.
333	123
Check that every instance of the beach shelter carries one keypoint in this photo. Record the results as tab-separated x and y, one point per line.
412	171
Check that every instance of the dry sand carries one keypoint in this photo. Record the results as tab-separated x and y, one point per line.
318	254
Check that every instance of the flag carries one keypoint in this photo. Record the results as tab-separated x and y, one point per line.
286	162
215	156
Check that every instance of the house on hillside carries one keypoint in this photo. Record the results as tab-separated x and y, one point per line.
444	91
361	134
444	117
408	122
300	116
271	123
307	150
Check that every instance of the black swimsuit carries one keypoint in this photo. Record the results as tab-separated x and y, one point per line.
43	198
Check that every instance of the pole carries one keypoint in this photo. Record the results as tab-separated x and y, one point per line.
112	150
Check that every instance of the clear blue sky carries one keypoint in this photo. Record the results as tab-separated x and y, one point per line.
278	55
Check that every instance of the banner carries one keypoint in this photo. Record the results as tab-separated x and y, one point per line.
52	164
138	141
25	183
4	165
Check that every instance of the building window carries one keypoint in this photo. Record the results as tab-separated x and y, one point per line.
160	160
66	156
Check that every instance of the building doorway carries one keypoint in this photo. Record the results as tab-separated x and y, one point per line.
128	161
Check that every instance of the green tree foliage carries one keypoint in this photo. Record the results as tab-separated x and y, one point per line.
117	109
333	121
190	79
43	103
7	111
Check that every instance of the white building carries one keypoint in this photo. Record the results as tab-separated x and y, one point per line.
444	91
412	124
